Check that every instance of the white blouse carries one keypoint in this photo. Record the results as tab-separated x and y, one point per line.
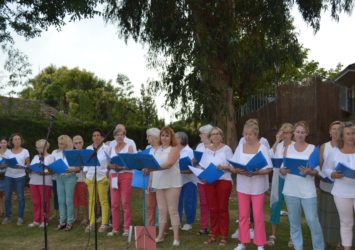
35	178
298	186
21	158
4	155
325	186
102	169
257	184
218	157
186	178
113	153
344	187
167	178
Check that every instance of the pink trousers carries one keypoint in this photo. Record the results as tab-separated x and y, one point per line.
122	194
258	213
37	201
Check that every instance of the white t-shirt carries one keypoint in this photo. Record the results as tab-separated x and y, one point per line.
325	186
102	169
21	158
112	153
219	157
254	185
167	178
262	140
344	187
36	179
201	147
126	140
4	155
186	178
298	186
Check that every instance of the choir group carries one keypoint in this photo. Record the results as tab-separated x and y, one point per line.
329	211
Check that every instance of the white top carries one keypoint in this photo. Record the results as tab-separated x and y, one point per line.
257	184
186	178
325	186
201	147
218	157
35	178
167	178
298	186
344	187
4	155
102	169
279	153
262	140
59	154
21	158
112	153
126	140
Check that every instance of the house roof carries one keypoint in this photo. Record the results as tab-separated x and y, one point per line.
347	76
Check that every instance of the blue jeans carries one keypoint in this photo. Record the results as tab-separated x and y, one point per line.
309	205
188	202
55	195
276	207
19	184
65	190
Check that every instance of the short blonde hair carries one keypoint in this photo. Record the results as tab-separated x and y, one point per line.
67	140
303	124
78	138
41	142
253	125
287	127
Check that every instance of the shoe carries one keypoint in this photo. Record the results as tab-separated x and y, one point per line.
235	235
125	233
19	222
260	247
202	232
89	228
283	213
157	240
240	247
186	227
112	233
176	243
290	243
42	225
223	242
68	227
34	224
251	233
271	240
103	228
210	240
61	226
5	220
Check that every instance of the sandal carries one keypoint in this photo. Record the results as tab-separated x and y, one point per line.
202	232
271	241
103	228
290	243
61	226
222	242
84	222
68	227
210	240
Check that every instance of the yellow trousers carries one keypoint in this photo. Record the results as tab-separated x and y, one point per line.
102	194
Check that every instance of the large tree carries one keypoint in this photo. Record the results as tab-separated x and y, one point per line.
215	53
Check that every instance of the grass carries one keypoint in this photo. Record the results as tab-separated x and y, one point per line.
22	237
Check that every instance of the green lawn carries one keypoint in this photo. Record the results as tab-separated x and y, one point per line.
22	237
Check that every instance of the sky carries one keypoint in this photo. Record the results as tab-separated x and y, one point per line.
95	46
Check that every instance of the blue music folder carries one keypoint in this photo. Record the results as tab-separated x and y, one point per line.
36	168
209	174
11	162
139	180
346	171
140	161
184	163
257	162
198	156
294	165
58	166
145	151
314	158
238	165
277	162
81	158
117	160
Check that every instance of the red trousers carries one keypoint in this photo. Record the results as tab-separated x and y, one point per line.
81	195
37	201
218	199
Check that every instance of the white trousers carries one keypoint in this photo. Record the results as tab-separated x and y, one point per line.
346	208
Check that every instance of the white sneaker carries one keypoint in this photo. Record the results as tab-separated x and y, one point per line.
235	234
19	221
261	248
42	225
176	243
283	213
5	220
186	227
112	233
125	233
251	232
33	224
240	247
